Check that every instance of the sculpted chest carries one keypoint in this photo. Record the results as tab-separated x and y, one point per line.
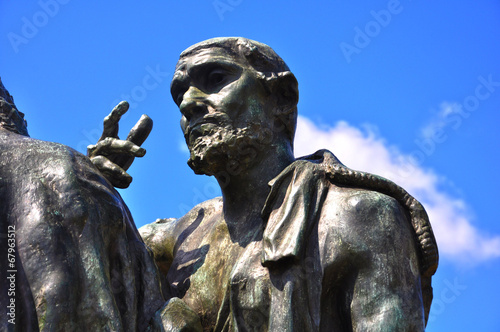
209	269
226	283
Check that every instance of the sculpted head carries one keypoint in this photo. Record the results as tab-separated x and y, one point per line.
10	118
235	95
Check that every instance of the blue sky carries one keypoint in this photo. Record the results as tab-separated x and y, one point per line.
406	89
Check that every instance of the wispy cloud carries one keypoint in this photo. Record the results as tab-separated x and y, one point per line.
365	149
441	119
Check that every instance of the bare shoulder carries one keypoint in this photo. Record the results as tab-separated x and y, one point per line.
370	208
367	220
161	229
163	234
371	243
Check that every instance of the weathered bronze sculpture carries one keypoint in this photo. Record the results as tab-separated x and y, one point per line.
299	245
293	244
76	261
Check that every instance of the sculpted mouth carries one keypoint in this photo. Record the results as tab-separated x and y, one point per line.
205	123
197	127
202	122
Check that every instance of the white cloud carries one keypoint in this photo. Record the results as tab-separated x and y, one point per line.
364	149
183	147
441	118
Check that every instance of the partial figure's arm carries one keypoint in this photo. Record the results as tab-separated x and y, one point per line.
113	156
160	237
387	292
176	316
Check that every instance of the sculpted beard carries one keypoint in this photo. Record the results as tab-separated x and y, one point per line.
221	148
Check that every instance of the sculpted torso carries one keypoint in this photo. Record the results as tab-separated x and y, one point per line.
197	255
352	244
324	248
301	244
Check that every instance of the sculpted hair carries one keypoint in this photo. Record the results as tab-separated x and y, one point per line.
262	59
10	118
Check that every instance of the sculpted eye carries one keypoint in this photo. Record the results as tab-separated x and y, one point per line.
215	77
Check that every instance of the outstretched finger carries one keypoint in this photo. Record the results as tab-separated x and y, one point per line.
110	146
115	174
137	135
111	121
141	130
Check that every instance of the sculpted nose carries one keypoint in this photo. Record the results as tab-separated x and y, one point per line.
192	105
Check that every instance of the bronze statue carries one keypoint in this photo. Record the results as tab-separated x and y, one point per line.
71	256
293	244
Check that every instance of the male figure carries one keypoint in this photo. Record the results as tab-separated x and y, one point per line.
292	245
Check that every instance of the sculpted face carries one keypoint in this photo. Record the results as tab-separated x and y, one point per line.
223	107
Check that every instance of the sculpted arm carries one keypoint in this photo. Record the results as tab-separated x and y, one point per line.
159	237
386	294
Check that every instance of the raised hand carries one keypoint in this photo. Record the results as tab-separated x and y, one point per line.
113	156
